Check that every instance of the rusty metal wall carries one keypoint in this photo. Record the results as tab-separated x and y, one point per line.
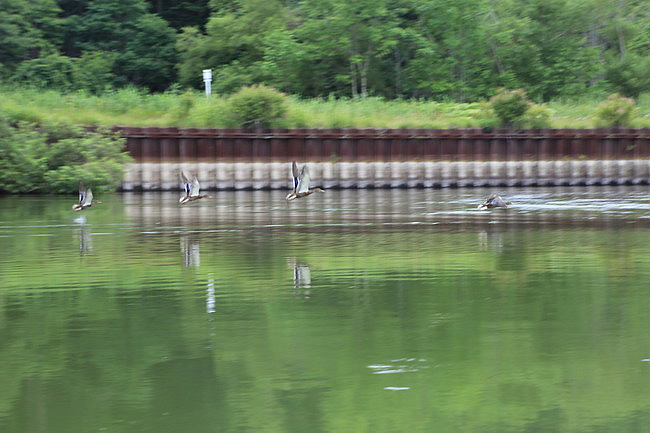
360	158
357	145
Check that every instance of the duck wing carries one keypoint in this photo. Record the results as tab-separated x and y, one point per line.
303	181
186	184
296	176
194	188
492	197
82	193
488	201
88	198
498	202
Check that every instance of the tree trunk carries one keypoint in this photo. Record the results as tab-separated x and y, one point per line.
493	46
365	65
594	41
621	37
398	71
619	31
353	80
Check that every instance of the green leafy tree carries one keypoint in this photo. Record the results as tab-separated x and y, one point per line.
455	50
317	60
181	14
621	32
630	75
104	24
450	57
192	52
540	46
149	55
94	71
28	29
232	44
285	62
360	32
72	7
143	43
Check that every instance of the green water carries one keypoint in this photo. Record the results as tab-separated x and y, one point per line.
349	311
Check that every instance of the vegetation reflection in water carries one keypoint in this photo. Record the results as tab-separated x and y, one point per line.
373	311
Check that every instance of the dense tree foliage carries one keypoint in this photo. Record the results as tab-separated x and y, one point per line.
182	13
28	29
460	50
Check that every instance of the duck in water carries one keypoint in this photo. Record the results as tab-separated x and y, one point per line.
85	198
492	201
301	183
191	190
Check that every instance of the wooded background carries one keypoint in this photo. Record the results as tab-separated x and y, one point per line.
451	50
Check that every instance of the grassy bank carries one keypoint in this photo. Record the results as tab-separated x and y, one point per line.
131	107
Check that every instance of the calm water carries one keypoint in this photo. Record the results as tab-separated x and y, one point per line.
350	311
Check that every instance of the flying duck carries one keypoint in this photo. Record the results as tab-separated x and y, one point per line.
85	198
191	190
301	183
492	201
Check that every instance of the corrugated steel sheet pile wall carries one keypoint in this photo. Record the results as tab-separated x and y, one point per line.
360	158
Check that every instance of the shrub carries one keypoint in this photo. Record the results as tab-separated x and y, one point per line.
185	102
54	158
485	118
94	71
91	72
537	117
616	111
210	113
509	106
53	71
258	106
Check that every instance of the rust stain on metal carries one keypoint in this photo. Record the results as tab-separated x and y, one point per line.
471	144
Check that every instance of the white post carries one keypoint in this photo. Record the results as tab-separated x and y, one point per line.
207	79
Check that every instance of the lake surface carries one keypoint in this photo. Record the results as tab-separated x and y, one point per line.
349	311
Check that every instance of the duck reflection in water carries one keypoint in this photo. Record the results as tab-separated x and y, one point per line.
210	295
85	241
490	241
301	278
85	236
191	251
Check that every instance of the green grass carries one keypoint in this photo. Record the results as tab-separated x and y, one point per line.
133	107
